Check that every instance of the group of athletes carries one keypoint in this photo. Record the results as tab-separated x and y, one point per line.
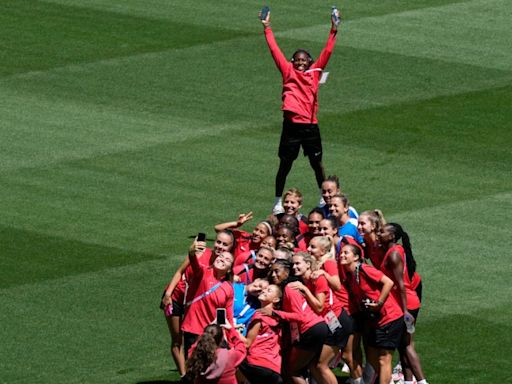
298	293
291	299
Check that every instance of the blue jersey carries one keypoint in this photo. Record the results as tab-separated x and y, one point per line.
244	306
350	229
352	212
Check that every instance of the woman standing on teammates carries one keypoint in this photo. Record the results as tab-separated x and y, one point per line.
173	300
384	325
246	243
400	266
209	288
209	362
308	330
301	77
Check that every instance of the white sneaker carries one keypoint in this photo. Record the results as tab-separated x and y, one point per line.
321	203
278	209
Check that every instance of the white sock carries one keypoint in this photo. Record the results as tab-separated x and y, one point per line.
408	382
424	381
278	200
359	380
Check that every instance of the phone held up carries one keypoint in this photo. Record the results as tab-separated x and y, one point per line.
221	316
201	236
264	12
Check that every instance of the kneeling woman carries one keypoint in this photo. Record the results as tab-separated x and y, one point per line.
308	330
384	317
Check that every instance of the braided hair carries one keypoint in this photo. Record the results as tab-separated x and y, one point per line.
399	233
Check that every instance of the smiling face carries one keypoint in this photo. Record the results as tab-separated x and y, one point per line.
264	258
336	207
269	241
316	249
314	223
283	236
292	204
223	243
365	225
223	262
329	189
300	266
259	233
386	235
327	228
301	61
348	257
271	294
257	286
278	273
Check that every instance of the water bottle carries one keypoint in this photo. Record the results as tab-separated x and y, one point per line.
409	323
335	15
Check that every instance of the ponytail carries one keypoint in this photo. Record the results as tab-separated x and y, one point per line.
406	243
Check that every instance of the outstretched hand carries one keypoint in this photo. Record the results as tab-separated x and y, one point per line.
243	218
265	21
335	19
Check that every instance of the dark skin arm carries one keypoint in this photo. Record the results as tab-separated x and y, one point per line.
397	266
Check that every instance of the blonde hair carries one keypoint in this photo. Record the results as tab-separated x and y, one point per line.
296	192
327	244
376	218
308	259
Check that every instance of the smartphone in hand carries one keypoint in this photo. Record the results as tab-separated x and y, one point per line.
264	12
201	236
221	316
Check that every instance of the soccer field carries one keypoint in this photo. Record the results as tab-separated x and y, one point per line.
127	126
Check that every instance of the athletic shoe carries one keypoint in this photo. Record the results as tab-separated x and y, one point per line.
321	202
278	209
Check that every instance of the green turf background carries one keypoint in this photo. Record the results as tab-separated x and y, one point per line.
128	126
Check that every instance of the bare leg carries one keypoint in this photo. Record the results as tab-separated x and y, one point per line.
174	325
385	368
320	369
411	361
349	356
298	359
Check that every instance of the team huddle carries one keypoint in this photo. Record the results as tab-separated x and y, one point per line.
292	299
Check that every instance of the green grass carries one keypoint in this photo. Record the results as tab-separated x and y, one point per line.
129	126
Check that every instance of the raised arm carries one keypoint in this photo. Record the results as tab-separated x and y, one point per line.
242	219
323	59
281	62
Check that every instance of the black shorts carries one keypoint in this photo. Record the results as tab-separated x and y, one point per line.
178	309
188	340
314	338
295	135
339	337
388	336
259	375
358	319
